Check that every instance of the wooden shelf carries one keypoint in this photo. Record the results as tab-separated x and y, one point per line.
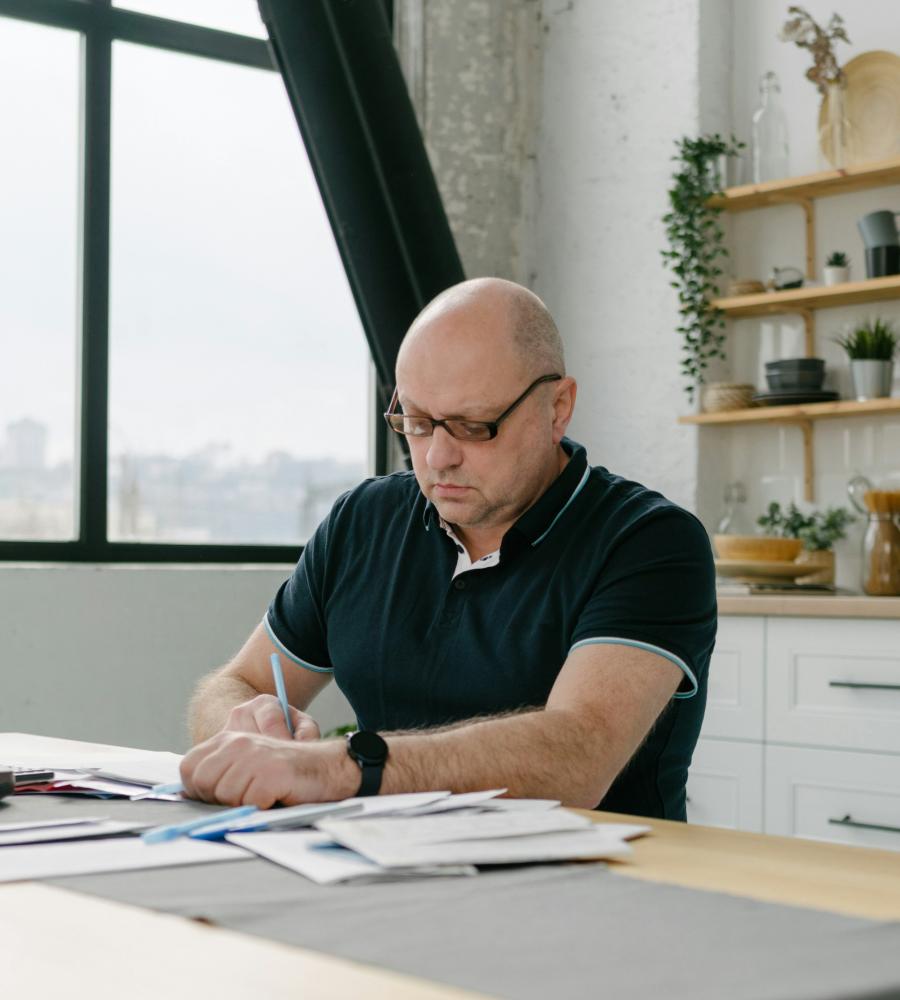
794	190
803	416
803	192
800	413
802	299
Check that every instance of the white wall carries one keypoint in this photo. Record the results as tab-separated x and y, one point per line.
622	81
112	653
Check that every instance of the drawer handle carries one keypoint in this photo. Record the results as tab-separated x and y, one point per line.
849	821
859	684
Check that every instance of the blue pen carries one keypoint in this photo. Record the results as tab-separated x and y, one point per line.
280	691
160	834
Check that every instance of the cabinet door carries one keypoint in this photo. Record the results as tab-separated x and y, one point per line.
851	798
734	704
833	683
725	785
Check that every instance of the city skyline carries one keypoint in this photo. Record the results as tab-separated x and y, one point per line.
207	496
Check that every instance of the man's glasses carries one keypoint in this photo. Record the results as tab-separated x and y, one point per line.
463	430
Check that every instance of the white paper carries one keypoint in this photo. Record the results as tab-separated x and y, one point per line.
69	831
563	846
383	805
449	827
521	805
158	769
40	824
27	750
106	786
315	856
462	800
124	854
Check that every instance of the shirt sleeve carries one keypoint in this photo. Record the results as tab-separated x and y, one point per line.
656	591
295	619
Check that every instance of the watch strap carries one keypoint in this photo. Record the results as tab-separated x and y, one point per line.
370	784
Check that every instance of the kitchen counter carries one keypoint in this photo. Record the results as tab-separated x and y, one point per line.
809	606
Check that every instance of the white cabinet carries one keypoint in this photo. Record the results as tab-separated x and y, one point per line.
725	785
802	730
833	683
853	798
734	703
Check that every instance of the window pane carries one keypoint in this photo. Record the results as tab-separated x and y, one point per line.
39	199
239	369
240	16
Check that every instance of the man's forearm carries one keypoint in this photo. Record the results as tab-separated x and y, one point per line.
547	753
215	697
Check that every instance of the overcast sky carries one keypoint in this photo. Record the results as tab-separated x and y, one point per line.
230	315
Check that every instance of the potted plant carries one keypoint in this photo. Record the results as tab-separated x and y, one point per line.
837	268
817	531
695	247
871	348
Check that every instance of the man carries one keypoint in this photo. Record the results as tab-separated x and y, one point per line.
503	616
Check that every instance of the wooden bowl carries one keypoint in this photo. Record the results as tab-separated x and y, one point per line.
757	548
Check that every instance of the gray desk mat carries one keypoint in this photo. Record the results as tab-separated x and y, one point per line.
568	931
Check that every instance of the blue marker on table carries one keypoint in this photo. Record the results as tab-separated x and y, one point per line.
280	691
160	834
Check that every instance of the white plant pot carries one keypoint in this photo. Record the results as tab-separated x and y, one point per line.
836	275
872	379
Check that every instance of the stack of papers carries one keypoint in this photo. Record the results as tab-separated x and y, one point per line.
383	837
450	835
89	769
48	830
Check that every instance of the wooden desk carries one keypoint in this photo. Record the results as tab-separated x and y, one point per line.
60	939
855	881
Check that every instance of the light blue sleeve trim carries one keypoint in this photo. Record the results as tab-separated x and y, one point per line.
677	660
290	655
575	493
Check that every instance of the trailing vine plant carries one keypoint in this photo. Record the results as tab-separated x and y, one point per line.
695	249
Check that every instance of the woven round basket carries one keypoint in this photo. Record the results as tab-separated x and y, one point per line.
745	286
718	396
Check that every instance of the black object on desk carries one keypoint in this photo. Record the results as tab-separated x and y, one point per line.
7	783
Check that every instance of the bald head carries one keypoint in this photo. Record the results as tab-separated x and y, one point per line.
492	307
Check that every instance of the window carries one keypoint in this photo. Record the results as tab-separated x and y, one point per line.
238	381
236	368
240	16
197	295
39	200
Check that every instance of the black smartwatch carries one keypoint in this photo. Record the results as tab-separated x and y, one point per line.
370	751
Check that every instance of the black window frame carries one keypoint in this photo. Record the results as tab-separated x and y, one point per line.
348	94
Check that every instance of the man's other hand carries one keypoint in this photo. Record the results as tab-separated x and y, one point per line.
263	715
249	769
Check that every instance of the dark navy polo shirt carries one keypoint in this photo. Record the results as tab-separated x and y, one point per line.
597	559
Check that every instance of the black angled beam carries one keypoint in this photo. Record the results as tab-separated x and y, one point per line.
347	90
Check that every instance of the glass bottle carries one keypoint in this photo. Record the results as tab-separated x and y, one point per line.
838	140
881	555
734	519
770	133
881	544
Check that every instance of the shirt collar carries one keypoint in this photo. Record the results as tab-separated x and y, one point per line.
533	526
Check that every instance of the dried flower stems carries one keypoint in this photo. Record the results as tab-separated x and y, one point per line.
806	33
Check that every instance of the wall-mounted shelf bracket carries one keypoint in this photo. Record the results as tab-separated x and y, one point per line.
809	494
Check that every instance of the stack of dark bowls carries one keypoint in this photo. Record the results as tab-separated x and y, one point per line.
795	380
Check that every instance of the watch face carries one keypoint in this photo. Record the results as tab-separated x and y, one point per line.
368	747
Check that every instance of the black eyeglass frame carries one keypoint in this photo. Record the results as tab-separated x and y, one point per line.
491	425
